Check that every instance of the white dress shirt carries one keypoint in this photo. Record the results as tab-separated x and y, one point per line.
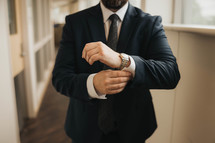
106	14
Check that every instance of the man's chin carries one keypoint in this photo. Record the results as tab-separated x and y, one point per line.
114	4
114	7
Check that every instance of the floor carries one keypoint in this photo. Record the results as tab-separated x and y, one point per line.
48	127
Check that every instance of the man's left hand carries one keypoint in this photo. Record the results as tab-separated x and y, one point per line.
98	51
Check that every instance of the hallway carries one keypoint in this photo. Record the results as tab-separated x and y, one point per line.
31	30
48	126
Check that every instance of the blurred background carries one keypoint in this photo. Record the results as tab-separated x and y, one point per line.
32	112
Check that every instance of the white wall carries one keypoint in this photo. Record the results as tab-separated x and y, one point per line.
8	113
136	3
93	2
163	8
194	116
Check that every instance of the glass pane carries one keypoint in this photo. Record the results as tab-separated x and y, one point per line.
48	18
37	60
12	16
39	56
43	9
46	56
199	12
35	18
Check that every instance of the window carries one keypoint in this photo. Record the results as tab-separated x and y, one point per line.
12	16
200	12
41	18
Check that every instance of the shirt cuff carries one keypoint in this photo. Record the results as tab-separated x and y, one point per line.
91	89
131	68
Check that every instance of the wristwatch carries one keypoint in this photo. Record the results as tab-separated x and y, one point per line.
125	60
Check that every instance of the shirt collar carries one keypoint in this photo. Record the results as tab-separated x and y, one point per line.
107	13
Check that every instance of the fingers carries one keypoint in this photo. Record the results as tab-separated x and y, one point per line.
115	91
115	77
101	52
91	53
119	80
116	86
119	73
88	47
104	83
94	58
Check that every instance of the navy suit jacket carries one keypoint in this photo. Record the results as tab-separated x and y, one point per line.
142	36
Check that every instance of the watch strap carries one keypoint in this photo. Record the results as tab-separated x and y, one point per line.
125	60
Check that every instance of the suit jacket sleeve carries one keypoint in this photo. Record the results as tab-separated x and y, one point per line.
65	77
159	69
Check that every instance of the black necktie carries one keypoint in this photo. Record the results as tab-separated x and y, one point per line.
112	37
106	119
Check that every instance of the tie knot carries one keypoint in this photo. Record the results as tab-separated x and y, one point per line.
114	17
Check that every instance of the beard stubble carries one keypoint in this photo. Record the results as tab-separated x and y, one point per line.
114	4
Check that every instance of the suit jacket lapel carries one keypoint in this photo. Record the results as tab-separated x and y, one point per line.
97	32
127	28
96	24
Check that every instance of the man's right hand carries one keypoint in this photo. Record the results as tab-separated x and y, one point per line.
111	82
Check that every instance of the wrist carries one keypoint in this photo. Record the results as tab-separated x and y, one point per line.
129	63
118	61
94	83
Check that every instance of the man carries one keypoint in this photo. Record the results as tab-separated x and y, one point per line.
110	56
